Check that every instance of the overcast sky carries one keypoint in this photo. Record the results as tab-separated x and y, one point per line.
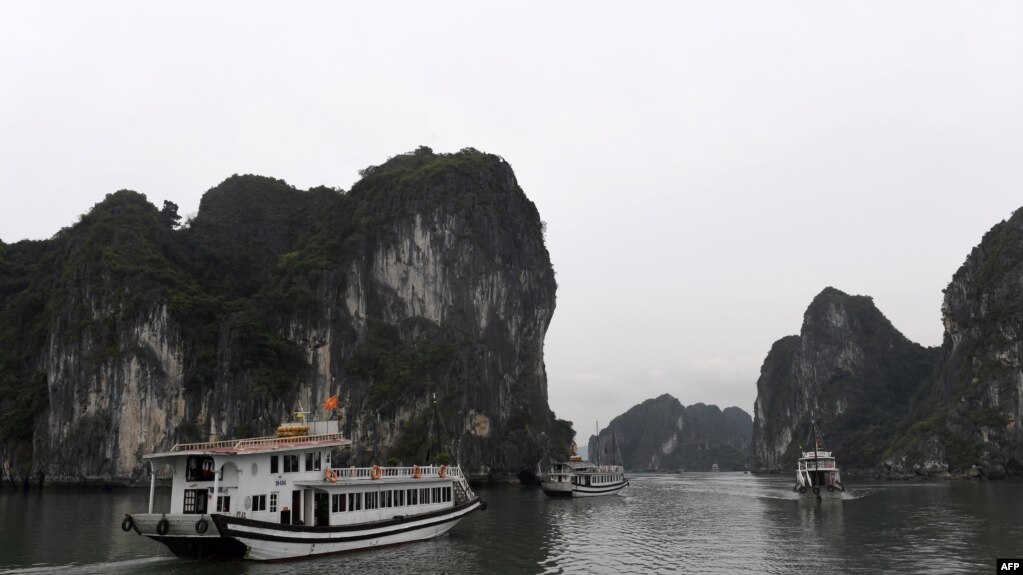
704	168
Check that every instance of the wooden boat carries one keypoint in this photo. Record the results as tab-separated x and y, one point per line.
278	497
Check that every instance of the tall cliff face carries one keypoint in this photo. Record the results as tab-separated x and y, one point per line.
852	369
662	434
422	295
970	419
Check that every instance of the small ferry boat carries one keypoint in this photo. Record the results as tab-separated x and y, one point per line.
578	478
278	497
817	474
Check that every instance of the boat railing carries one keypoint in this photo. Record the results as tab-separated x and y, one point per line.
822	465
414	472
255	442
818	454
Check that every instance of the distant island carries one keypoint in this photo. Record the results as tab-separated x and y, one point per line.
661	434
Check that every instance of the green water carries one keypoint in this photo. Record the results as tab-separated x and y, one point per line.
688	523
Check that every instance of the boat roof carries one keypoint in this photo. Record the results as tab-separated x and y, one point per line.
290	436
586	465
253	446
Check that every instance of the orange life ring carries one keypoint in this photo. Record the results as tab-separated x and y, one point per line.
415	472
375	472
330	475
443	472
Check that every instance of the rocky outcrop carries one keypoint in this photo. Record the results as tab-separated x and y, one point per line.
422	296
891	407
969	421
848	367
662	434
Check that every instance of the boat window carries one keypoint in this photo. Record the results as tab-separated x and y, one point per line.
312	461
199	468
223	503
290	463
436	495
354	501
385	499
338	503
195	501
273	502
371	501
273	464
447	494
399	498
259	502
413	496
424	495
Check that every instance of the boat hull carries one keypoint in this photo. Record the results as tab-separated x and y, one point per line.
270	541
181	534
559	490
231	537
822	493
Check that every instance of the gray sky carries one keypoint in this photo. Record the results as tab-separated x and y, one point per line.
704	168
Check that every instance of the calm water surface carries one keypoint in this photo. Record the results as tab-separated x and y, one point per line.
688	523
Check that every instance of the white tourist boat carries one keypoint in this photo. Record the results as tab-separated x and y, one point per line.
578	478
817	474
278	497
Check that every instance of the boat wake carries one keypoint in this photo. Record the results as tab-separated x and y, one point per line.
125	566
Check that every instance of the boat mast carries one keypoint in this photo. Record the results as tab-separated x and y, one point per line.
614	443
816	447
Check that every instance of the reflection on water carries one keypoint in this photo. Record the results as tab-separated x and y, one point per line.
691	522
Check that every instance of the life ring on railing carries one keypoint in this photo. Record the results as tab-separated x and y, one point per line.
415	472
128	523
162	526
330	475
375	472
442	472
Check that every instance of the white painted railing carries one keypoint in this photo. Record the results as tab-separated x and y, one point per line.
428	471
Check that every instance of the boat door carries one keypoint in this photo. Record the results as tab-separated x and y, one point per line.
321	508
296	507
